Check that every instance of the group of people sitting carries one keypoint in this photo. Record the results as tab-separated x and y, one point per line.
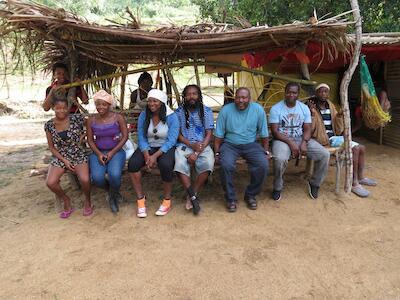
176	142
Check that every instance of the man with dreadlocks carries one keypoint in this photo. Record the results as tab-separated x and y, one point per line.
196	126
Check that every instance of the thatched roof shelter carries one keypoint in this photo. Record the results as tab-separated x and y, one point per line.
55	33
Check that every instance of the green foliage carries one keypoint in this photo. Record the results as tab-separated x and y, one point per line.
377	15
155	11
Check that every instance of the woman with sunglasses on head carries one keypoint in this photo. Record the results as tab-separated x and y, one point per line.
107	134
63	134
158	130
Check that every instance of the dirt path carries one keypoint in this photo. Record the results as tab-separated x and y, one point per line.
294	249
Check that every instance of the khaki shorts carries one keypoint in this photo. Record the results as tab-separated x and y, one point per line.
205	161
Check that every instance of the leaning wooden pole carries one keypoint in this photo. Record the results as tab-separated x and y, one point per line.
344	86
174	86
186	64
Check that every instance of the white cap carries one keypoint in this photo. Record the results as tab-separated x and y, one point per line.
322	85
162	97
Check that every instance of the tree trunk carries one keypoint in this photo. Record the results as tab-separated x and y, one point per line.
344	86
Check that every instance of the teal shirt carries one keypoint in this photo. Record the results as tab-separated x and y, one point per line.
240	127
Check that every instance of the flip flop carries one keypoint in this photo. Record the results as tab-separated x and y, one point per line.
360	191
66	213
88	211
368	182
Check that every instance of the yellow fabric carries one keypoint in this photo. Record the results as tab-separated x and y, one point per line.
254	83
277	86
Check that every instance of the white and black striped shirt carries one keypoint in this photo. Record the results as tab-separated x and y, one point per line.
327	118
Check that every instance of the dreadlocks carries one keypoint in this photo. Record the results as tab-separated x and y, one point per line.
199	103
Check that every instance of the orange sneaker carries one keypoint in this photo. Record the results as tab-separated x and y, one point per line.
141	208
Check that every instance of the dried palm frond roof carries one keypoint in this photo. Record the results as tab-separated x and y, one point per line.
378	38
55	32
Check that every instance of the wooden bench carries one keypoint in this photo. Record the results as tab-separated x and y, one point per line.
336	153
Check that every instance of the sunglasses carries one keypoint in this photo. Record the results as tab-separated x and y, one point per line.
156	137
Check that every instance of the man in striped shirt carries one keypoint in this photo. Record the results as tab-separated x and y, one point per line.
327	128
193	149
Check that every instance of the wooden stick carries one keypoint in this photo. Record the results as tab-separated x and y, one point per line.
123	80
9	220
173	84
344	86
196	72
168	87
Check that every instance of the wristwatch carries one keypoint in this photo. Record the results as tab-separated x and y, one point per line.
266	152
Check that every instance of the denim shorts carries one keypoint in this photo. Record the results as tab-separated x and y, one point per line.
337	141
205	161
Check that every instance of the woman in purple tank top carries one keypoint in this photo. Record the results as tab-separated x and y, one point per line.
107	133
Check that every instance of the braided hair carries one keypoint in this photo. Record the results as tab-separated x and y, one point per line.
200	103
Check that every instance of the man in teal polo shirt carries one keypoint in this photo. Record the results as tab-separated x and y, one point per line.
238	125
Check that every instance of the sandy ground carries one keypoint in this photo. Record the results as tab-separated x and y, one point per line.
296	249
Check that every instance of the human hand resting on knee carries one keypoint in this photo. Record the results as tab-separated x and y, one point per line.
191	158
69	165
152	161
295	149
303	148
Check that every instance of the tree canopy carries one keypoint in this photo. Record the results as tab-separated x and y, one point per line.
161	11
378	16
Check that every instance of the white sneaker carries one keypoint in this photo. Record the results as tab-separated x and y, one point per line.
163	210
141	212
188	204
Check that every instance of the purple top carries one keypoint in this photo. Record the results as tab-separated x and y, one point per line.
107	136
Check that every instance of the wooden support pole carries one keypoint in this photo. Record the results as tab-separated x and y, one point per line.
196	72
123	81
305	73
174	87
168	87
73	60
226	89
344	86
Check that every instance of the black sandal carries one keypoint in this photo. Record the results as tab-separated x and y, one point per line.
232	207
251	203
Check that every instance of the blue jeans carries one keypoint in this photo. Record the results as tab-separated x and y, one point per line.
257	163
113	169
